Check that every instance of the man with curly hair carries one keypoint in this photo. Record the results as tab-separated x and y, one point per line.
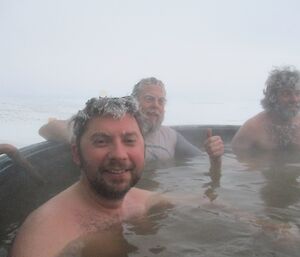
278	126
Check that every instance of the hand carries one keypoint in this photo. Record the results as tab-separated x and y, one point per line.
9	150
13	153
214	145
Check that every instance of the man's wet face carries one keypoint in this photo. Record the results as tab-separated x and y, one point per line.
288	103
111	155
152	106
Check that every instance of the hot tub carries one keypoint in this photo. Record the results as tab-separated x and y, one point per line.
263	186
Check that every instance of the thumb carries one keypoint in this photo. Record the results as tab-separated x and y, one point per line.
208	132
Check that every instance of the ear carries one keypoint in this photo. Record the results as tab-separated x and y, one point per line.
75	154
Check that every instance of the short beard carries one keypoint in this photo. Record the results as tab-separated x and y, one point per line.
108	191
101	188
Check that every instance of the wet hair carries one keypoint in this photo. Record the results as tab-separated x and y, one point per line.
115	107
286	77
146	82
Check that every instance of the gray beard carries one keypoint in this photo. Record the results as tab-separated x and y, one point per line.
149	127
284	113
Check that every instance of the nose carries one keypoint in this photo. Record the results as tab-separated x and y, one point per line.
118	151
156	103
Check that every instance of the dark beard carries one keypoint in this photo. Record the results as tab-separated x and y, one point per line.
107	191
103	189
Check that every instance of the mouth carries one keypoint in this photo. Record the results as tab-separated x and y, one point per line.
153	115
117	171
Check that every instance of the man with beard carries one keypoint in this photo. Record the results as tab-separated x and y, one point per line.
86	218
161	142
278	126
109	149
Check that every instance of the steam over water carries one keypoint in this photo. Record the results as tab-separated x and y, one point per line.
20	118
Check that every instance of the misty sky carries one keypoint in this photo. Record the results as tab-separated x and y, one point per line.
198	48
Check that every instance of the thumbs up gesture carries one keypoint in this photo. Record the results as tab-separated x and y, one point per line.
214	145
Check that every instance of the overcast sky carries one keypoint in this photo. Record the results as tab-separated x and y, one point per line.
196	47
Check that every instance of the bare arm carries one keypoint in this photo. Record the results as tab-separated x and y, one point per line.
244	139
40	235
214	147
57	130
185	149
13	153
9	150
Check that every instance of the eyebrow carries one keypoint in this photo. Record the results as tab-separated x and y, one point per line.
100	134
106	135
130	134
159	98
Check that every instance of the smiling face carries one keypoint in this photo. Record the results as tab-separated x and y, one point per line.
152	100
111	155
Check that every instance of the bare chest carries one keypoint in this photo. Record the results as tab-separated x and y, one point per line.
280	136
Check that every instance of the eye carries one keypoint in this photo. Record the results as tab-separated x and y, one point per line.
100	141
149	98
130	140
162	101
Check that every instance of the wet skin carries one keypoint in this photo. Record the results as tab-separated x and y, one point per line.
111	154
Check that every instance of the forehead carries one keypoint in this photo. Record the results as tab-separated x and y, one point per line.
108	124
153	90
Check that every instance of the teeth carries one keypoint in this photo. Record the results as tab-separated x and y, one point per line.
117	171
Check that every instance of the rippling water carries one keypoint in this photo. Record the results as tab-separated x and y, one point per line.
261	216
255	208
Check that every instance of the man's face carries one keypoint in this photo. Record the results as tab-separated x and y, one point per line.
111	155
152	100
288	103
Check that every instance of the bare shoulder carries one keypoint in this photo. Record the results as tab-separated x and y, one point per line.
256	121
45	231
35	237
249	132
